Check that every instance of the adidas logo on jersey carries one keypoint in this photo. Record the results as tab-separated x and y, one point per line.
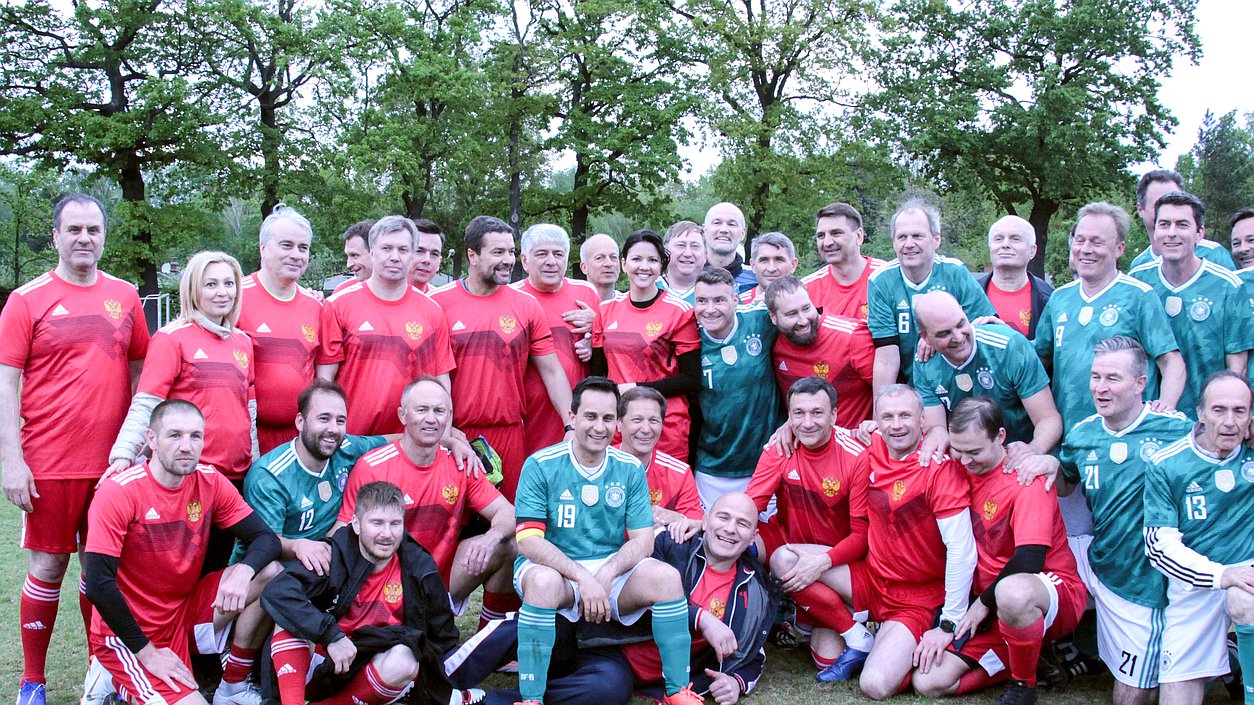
903	306
200	355
365	325
1062	318
793	475
263	328
152	514
783	366
459	326
1092	457
1193	487
286	670
408	499
940	389
305	503
567	496
612	326
34	626
60	311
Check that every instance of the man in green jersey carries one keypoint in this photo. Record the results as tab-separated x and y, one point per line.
1108	453
739	402
1206	303
1199	505
298	487
993	361
892	290
575	502
1149	189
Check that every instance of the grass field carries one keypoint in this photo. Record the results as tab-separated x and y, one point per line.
788	679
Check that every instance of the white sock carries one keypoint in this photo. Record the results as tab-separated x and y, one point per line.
857	637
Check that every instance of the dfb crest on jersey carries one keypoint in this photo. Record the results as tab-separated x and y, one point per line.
615	495
113	307
990	509
652	328
1149	448
324	489
310	333
831	486
1200	310
964	382
1173	306
1225	480
729	355
1086	315
1110	316
195	510
413	329
753	345
985	378
589	495
1247	471
1118	452
899	490
241	358
507	324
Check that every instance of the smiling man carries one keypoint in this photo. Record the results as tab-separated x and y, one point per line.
1018	295
1242	227
772	256
428	254
739	403
724	233
282	318
685	244
672	489
1152	186
840	288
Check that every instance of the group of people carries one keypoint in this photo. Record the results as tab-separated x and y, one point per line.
637	481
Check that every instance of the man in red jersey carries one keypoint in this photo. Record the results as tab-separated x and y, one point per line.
836	348
821	526
428	254
920	548
378	334
672	488
149	531
439	499
569	307
840	287
498	333
1025	571
282	318
74	333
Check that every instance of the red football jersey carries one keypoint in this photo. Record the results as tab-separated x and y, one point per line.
842	354
1006	515
159	537
439	498
903	505
544	426
836	299
285	345
672	486
380	602
216	374
72	343
381	346
817	491
643	345
1014	308
711	593
494	338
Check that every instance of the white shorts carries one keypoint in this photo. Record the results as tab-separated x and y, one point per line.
458	606
1195	641
1129	636
592	566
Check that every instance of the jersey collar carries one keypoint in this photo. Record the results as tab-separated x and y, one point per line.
587	473
1131	427
1208	456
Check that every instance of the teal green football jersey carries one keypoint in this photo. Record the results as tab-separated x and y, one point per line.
1208	250
1210	318
586	511
740	405
1210	500
1111	466
1247	280
688	296
295	502
1073	323
890	303
1003	366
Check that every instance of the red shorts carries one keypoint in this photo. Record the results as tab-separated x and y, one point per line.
271	437
59	522
191	628
510	443
913	605
988	649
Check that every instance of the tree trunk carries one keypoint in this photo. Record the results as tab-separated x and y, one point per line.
131	179
1042	211
761	187
579	207
271	141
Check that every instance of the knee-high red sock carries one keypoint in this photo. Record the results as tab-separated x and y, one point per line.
820	662
366	688
1024	644
239	663
978	679
823	607
497	604
84	604
37	611
291	656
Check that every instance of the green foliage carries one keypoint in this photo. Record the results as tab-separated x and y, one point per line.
1220	170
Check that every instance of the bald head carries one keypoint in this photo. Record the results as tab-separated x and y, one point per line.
598	259
600	241
729	526
737	502
936	309
724	232
1011	244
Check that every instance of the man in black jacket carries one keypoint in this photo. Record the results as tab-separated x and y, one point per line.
1018	296
380	616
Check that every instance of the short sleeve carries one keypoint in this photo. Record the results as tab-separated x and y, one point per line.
16	332
766	478
354	447
1160	509
539	335
1044	341
331	335
639	509
479	492
1240	324
687	499
924	384
1036	510
358	476
881	314
138	347
598	326
108	519
685	338
1029	373
1068	458
266	496
229	508
862	352
161	367
1154	330
531	500
949	492
442	352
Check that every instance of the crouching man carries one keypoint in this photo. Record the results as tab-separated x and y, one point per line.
375	621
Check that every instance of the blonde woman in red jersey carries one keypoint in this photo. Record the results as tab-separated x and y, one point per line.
203	357
649	337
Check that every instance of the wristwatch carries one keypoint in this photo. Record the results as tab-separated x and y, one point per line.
947	626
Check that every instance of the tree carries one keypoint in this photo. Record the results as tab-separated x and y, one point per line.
1219	169
116	86
1040	104
772	71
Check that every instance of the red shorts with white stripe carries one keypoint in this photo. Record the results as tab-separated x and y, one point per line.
58	523
913	605
191	628
1067	599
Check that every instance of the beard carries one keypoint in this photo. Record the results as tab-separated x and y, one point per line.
312	444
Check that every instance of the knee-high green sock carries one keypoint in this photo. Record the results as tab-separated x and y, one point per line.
674	643
537	630
1245	654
